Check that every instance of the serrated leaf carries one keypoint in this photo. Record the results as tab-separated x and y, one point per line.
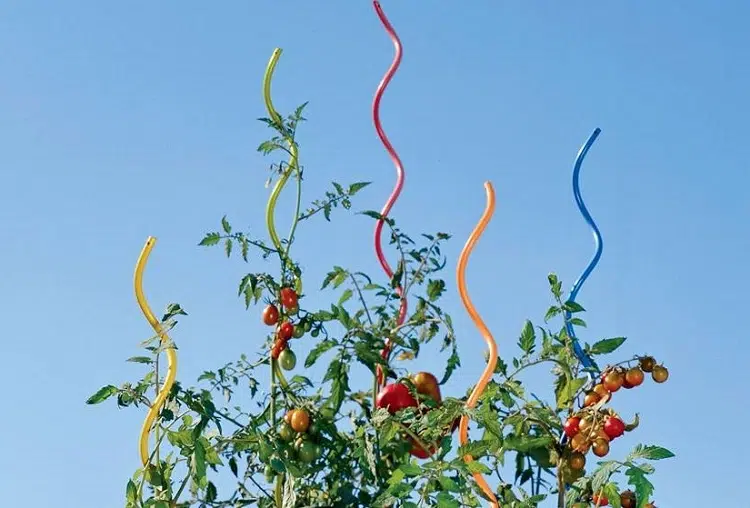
573	307
210	239
528	338
642	486
225	225
650	452
568	390
320	348
607	345
102	394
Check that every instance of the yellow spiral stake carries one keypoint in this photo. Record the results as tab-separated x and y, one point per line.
463	429
291	166
161	397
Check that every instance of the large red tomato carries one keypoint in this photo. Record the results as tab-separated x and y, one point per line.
395	397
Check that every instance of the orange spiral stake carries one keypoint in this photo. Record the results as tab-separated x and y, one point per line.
463	429
161	397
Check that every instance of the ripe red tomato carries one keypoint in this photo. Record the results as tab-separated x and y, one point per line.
600	500
427	384
571	427
300	420
271	315
419	452
613	380
627	385
634	376
395	397
286	331
288	297
613	427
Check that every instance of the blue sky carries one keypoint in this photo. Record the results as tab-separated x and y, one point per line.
119	121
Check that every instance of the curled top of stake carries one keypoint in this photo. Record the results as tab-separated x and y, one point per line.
161	397
463	260
400	173
598	243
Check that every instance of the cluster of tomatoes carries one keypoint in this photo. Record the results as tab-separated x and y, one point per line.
627	500
300	435
594	427
396	396
618	377
285	329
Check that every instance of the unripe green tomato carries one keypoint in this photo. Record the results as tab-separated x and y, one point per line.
287	359
307	452
299	331
313	429
285	432
315	332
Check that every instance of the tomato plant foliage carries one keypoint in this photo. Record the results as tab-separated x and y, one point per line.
230	440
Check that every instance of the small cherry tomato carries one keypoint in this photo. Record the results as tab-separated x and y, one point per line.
613	380
647	363
285	432
307	452
300	420
602	392
613	427
572	426
634	376
580	443
627	499
277	349
660	374
600	500
600	447
271	315
288	416
590	399
299	331
577	461
286	330
288	297
287	359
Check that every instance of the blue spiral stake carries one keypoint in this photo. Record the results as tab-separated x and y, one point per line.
583	357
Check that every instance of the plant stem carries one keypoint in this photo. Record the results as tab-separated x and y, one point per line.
560	485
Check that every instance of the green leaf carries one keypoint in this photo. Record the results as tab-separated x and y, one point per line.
606	346
210	239
568	390
573	307
131	493
225	225
577	322
642	486
228	247
140	359
373	214
612	493
551	312
356	187
199	461
435	289
528	337
345	296
410	469
102	394
650	452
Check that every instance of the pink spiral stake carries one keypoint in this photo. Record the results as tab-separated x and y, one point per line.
400	174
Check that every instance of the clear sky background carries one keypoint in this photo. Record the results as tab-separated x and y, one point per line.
123	120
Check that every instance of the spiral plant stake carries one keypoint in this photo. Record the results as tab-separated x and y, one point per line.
161	397
400	174
582	356
463	260
291	167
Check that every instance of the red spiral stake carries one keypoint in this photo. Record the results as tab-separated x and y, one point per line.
400	174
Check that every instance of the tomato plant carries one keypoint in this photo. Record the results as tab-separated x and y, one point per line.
246	435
